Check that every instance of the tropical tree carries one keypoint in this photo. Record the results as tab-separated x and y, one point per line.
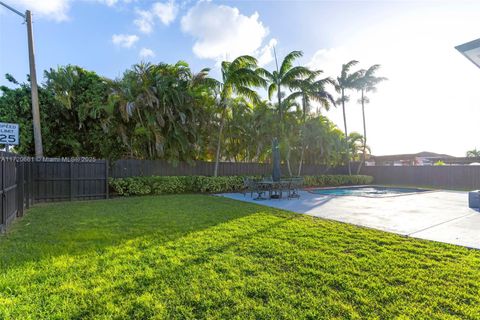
15	107
158	104
323	141
367	83
285	77
238	78
356	146
473	153
347	81
83	96
312	90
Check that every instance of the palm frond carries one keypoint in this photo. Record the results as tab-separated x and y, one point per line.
271	90
287	62
295	73
248	93
347	66
244	62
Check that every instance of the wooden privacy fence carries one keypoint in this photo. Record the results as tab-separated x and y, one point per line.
71	180
135	168
24	183
450	177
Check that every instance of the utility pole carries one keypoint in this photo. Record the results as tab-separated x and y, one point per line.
37	133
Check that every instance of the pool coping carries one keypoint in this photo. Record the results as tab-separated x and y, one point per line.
423	191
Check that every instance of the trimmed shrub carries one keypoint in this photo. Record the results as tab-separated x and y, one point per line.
336	180
194	184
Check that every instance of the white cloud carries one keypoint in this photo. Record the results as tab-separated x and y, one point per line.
124	40
51	9
265	55
431	101
146	53
166	12
56	10
112	3
144	21
222	32
109	3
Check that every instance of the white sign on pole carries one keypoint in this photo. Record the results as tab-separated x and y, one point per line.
9	133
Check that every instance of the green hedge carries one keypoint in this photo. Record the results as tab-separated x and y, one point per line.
336	180
196	184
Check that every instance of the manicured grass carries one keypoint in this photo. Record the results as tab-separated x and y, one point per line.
197	256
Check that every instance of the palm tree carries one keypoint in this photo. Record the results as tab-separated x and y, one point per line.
343	83
357	146
324	142
238	77
367	83
312	90
473	153
158	108
286	76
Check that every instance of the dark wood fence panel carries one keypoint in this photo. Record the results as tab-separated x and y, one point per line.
23	183
453	177
135	168
67	181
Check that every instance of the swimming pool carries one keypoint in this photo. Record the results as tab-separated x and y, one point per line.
366	191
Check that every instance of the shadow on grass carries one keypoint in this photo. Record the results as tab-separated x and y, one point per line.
78	228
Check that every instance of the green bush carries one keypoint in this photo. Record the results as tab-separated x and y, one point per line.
336	180
195	184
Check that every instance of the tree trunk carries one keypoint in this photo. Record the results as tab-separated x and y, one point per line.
257	153
280	113
346	133
364	135
219	143
288	160
302	136
301	161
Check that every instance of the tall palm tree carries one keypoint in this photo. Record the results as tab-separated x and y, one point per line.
285	77
238	78
312	90
367	83
344	82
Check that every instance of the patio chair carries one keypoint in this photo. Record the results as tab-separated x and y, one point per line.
249	186
261	189
296	184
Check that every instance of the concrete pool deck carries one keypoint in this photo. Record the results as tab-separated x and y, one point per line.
441	216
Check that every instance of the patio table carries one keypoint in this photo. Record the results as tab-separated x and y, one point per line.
272	187
262	187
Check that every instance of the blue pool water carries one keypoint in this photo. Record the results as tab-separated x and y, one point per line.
368	191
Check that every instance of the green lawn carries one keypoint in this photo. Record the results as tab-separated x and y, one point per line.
197	256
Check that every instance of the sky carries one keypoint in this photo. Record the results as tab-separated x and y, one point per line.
431	101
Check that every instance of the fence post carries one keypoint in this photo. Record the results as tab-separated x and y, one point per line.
32	182
27	180
71	180
20	188
106	180
3	210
